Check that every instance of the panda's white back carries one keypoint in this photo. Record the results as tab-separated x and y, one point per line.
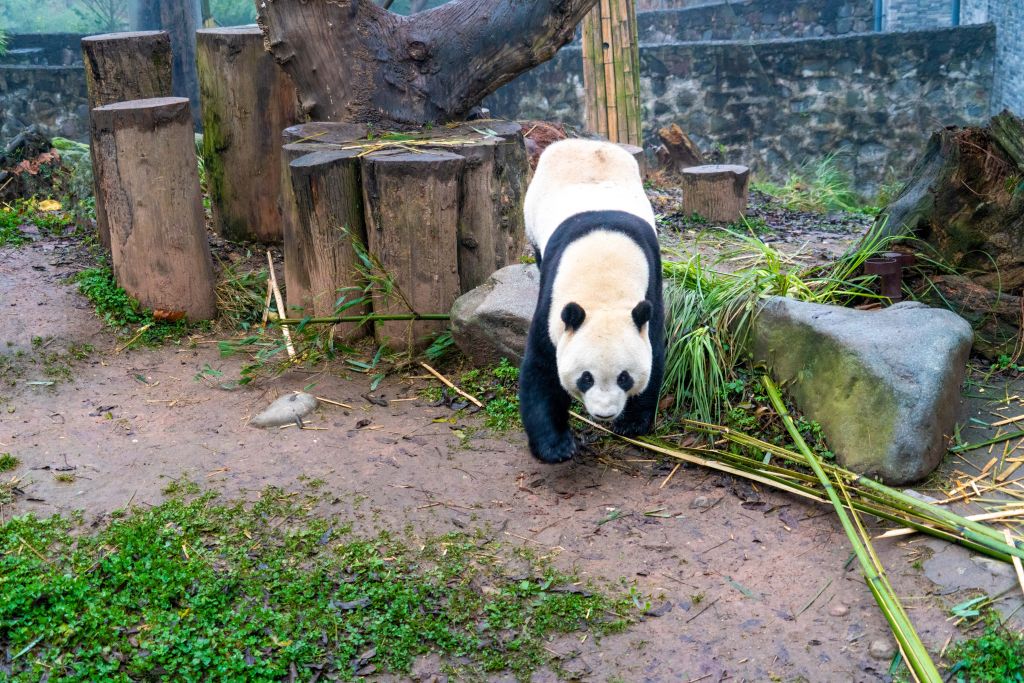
574	176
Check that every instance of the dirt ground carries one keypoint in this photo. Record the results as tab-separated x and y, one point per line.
757	585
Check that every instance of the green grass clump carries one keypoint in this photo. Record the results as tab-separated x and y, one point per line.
123	313
8	462
819	186
497	388
996	655
10	228
196	589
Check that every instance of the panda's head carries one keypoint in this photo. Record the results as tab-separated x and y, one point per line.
604	356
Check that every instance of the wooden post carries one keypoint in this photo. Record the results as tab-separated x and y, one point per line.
718	193
611	71
491	223
180	18
412	223
150	187
311	135
247	100
121	67
329	199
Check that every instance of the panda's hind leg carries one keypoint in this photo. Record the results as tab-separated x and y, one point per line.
544	408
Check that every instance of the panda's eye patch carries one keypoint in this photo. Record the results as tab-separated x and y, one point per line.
585	381
625	381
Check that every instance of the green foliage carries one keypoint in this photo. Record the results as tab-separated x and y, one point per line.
123	313
708	312
3	42
195	589
818	186
497	388
11	222
995	656
233	12
8	462
61	16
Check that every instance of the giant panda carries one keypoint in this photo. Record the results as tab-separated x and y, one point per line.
598	331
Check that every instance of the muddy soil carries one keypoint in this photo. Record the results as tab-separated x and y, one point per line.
749	585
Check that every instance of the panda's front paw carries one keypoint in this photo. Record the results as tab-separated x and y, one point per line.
555	449
633	426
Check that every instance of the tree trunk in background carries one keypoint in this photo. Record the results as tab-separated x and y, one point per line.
181	19
354	61
121	67
611	71
247	101
150	187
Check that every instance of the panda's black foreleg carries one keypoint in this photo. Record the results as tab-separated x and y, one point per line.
544	408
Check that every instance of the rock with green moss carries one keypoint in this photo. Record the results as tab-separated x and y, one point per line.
491	321
884	385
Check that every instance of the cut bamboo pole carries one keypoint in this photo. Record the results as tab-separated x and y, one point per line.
611	71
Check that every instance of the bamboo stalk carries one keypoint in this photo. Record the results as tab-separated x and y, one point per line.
917	656
371	317
279	300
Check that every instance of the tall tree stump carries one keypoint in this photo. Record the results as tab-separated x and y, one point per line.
247	100
180	18
412	226
150	187
329	199
718	193
300	140
121	67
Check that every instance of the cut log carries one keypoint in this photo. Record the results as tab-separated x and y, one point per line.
247	100
677	150
329	199
965	197
412	226
121	67
718	193
325	132
150	187
180	18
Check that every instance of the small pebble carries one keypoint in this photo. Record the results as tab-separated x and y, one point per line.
839	610
700	502
881	649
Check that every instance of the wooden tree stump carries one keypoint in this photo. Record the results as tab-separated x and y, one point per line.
150	187
297	285
677	150
718	193
412	226
121	67
329	199
247	100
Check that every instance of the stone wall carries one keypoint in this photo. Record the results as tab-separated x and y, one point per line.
872	98
42	81
912	15
1008	17
757	20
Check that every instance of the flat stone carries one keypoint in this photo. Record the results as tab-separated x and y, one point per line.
884	385
839	610
881	649
491	322
286	410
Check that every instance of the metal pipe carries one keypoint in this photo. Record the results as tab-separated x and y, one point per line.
956	13
879	9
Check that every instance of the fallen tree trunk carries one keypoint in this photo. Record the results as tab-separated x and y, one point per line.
966	199
354	61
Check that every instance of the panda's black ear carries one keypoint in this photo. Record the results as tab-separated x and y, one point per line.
642	313
573	316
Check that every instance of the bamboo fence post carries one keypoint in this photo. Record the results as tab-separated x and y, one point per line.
611	71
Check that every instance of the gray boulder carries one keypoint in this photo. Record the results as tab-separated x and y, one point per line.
288	409
884	385
491	322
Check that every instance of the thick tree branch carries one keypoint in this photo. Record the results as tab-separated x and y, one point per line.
354	61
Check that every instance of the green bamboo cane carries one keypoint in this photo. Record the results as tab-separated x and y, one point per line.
981	533
373	317
916	654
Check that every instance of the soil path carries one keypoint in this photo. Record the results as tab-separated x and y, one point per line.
757	585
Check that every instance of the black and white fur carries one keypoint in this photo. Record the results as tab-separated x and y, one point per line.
598	331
